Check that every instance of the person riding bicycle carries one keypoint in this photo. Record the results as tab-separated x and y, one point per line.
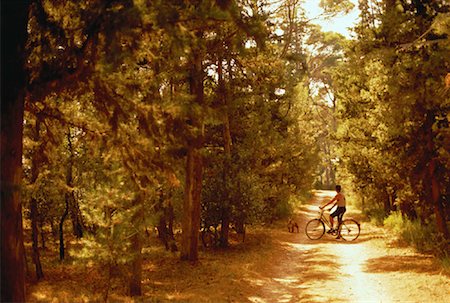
339	212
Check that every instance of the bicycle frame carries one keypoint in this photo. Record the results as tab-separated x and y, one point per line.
324	219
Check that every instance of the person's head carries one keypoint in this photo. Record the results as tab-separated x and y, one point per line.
338	188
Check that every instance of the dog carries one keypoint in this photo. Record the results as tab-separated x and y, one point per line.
292	225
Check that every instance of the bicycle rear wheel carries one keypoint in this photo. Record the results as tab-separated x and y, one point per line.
315	229
209	238
350	230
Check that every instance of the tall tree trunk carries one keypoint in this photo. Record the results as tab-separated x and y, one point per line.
431	182
226	213
191	210
69	196
35	239
436	198
13	35
61	228
194	166
74	208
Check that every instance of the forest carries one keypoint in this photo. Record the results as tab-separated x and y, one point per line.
129	125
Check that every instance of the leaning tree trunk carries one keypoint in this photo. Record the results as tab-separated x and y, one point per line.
194	169
13	34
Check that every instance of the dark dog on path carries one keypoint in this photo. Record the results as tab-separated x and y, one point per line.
292	225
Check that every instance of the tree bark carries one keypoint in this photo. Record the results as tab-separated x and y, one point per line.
386	202
74	209
227	143
69	197
431	183
436	198
191	211
194	165
13	35
61	228
35	239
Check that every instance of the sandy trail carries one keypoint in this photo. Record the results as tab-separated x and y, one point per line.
366	270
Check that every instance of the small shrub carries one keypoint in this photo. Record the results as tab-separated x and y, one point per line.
394	223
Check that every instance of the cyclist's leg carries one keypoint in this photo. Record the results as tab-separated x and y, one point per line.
340	219
341	215
332	215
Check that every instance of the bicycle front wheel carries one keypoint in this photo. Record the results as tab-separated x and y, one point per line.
350	230
315	229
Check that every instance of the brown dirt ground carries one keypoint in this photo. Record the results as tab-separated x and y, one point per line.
273	265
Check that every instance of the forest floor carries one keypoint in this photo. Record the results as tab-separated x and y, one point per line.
272	265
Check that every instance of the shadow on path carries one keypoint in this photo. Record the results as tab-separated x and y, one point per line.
412	263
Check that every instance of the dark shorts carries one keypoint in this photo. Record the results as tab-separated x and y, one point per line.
339	212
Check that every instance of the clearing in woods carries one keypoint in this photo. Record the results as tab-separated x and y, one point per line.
273	265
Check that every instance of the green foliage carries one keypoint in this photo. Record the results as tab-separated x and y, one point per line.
336	6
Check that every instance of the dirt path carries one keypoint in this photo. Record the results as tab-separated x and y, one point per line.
366	270
272	265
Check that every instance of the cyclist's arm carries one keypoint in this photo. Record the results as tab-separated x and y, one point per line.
332	200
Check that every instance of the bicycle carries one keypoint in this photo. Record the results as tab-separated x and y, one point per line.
209	236
348	229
